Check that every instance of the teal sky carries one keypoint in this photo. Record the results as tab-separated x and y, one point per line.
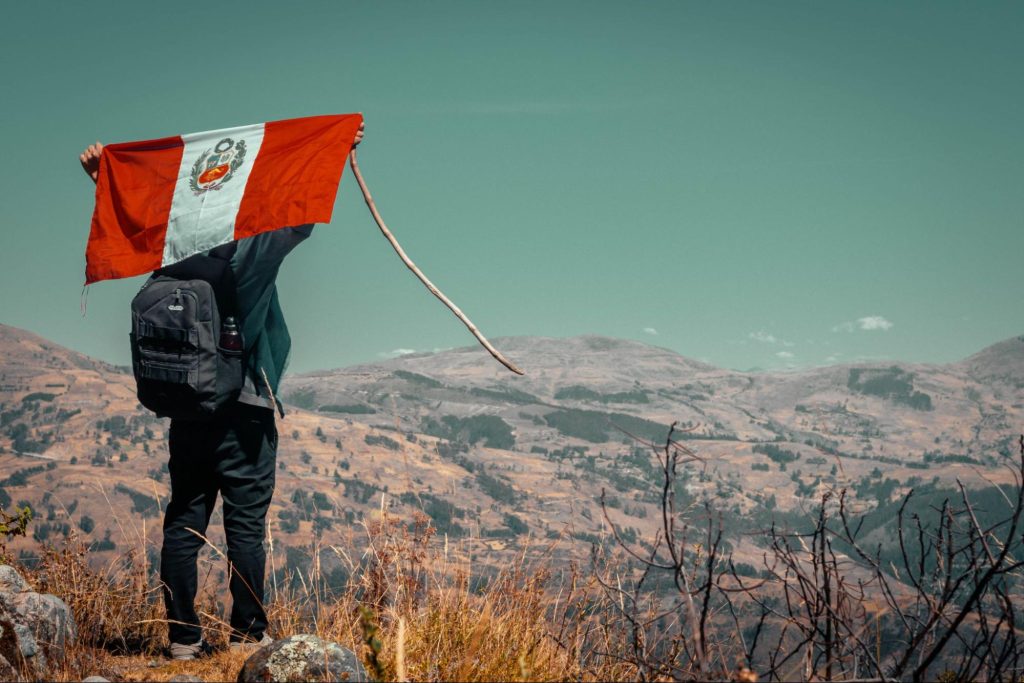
752	184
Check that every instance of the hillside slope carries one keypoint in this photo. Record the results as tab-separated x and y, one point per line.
496	459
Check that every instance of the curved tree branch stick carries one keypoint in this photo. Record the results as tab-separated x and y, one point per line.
423	278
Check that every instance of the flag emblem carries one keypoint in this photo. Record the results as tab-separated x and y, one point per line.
214	167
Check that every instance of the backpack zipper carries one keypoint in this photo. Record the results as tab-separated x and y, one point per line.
176	306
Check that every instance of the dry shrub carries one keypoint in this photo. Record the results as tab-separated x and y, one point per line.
415	613
116	607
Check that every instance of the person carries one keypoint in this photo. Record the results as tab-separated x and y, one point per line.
234	455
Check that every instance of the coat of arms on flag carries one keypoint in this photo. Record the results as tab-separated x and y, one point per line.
216	166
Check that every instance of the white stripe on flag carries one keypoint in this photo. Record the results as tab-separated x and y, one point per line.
204	208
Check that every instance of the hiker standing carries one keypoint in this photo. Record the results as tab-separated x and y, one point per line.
233	454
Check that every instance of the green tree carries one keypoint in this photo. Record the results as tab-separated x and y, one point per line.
87	524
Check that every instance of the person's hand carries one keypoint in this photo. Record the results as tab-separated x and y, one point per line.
90	159
359	134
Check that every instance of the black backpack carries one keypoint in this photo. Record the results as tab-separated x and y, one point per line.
180	368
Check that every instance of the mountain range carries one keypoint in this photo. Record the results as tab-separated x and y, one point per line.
498	461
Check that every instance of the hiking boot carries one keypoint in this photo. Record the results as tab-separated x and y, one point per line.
183	652
251	645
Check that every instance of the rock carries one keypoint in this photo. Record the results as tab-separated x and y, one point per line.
49	618
10	580
33	627
184	678
302	658
95	679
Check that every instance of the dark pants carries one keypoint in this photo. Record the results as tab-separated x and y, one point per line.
236	456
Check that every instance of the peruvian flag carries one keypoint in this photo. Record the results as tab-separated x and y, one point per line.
160	201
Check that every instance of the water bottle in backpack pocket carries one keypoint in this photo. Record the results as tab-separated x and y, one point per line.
187	361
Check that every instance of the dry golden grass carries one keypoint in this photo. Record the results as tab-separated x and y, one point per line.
115	606
410	610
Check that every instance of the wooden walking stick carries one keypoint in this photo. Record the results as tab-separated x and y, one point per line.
423	278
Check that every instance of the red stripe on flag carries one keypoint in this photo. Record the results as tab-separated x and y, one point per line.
295	177
133	199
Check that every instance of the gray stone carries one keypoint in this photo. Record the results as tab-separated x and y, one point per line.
10	580
302	658
49	617
184	678
26	641
34	627
96	679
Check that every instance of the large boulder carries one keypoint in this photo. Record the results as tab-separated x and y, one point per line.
302	658
34	627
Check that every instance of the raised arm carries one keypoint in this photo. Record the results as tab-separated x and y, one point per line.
90	159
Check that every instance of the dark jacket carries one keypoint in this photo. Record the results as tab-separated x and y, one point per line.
267	343
255	262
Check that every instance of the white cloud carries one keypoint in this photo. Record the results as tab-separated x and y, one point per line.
651	331
785	355
396	352
868	323
767	338
762	336
874	322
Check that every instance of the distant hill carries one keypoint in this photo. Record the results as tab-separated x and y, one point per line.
906	409
1002	363
494	458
